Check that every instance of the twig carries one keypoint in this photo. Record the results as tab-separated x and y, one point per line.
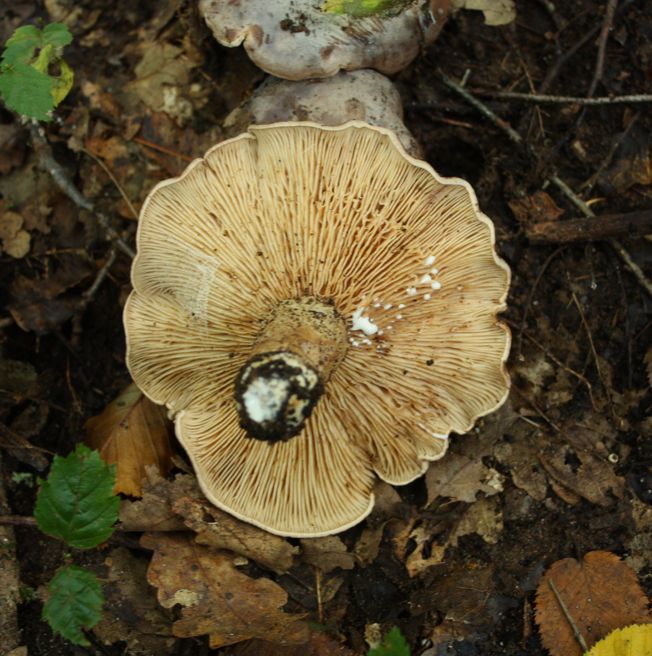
162	149
574	100
47	161
320	603
607	24
591	229
559	363
87	296
594	352
616	245
530	296
569	618
482	108
17	520
107	170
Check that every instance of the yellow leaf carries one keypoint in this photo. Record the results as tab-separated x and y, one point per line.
634	640
62	84
132	432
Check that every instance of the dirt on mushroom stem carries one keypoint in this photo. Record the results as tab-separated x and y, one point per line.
279	386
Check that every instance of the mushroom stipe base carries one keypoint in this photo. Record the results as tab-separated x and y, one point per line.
278	387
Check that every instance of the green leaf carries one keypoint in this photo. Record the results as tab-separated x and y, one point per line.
74	603
27	91
21	44
393	644
57	35
362	8
76	503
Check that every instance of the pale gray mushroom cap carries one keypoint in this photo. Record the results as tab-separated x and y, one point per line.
343	214
296	40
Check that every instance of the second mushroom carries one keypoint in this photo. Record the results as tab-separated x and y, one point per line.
315	307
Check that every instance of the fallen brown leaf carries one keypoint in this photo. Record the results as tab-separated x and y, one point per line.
216	598
154	511
601	593
460	477
131	613
132	432
327	554
215	528
320	644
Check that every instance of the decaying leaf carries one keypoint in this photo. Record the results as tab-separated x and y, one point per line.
648	364
632	163
15	240
215	528
496	12
539	207
131	612
635	640
320	644
216	598
461	477
327	554
154	511
577	472
132	432
601	593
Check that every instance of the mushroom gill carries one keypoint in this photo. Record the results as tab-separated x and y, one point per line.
341	216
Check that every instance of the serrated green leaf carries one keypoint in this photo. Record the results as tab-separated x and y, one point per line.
74	603
57	35
27	91
393	644
21	44
76	503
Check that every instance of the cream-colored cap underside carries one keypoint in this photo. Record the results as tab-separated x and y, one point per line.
343	214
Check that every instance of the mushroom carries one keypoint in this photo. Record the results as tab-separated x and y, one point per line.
357	95
298	39
315	307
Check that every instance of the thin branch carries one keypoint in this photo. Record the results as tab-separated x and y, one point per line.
590	229
569	618
482	108
607	24
574	100
616	245
107	170
49	164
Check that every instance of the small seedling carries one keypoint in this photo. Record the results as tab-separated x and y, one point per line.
76	504
393	644
34	78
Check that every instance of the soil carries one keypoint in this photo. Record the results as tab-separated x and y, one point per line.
580	320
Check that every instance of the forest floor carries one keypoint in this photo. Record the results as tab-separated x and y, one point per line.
563	469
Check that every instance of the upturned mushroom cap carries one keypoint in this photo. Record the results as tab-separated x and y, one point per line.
344	215
296	39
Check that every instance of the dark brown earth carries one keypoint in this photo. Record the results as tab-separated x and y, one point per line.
572	450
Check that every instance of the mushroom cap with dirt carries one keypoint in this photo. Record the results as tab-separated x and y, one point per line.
297	39
315	307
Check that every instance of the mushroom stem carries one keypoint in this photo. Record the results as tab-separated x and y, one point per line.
294	356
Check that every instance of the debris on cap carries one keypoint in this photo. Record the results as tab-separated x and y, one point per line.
299	39
364	95
316	308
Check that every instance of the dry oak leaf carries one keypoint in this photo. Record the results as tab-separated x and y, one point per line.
131	432
154	511
215	528
215	597
327	553
635	640
601	592
131	612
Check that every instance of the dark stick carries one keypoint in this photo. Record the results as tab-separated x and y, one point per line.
591	229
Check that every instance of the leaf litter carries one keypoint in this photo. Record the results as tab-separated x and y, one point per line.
562	470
